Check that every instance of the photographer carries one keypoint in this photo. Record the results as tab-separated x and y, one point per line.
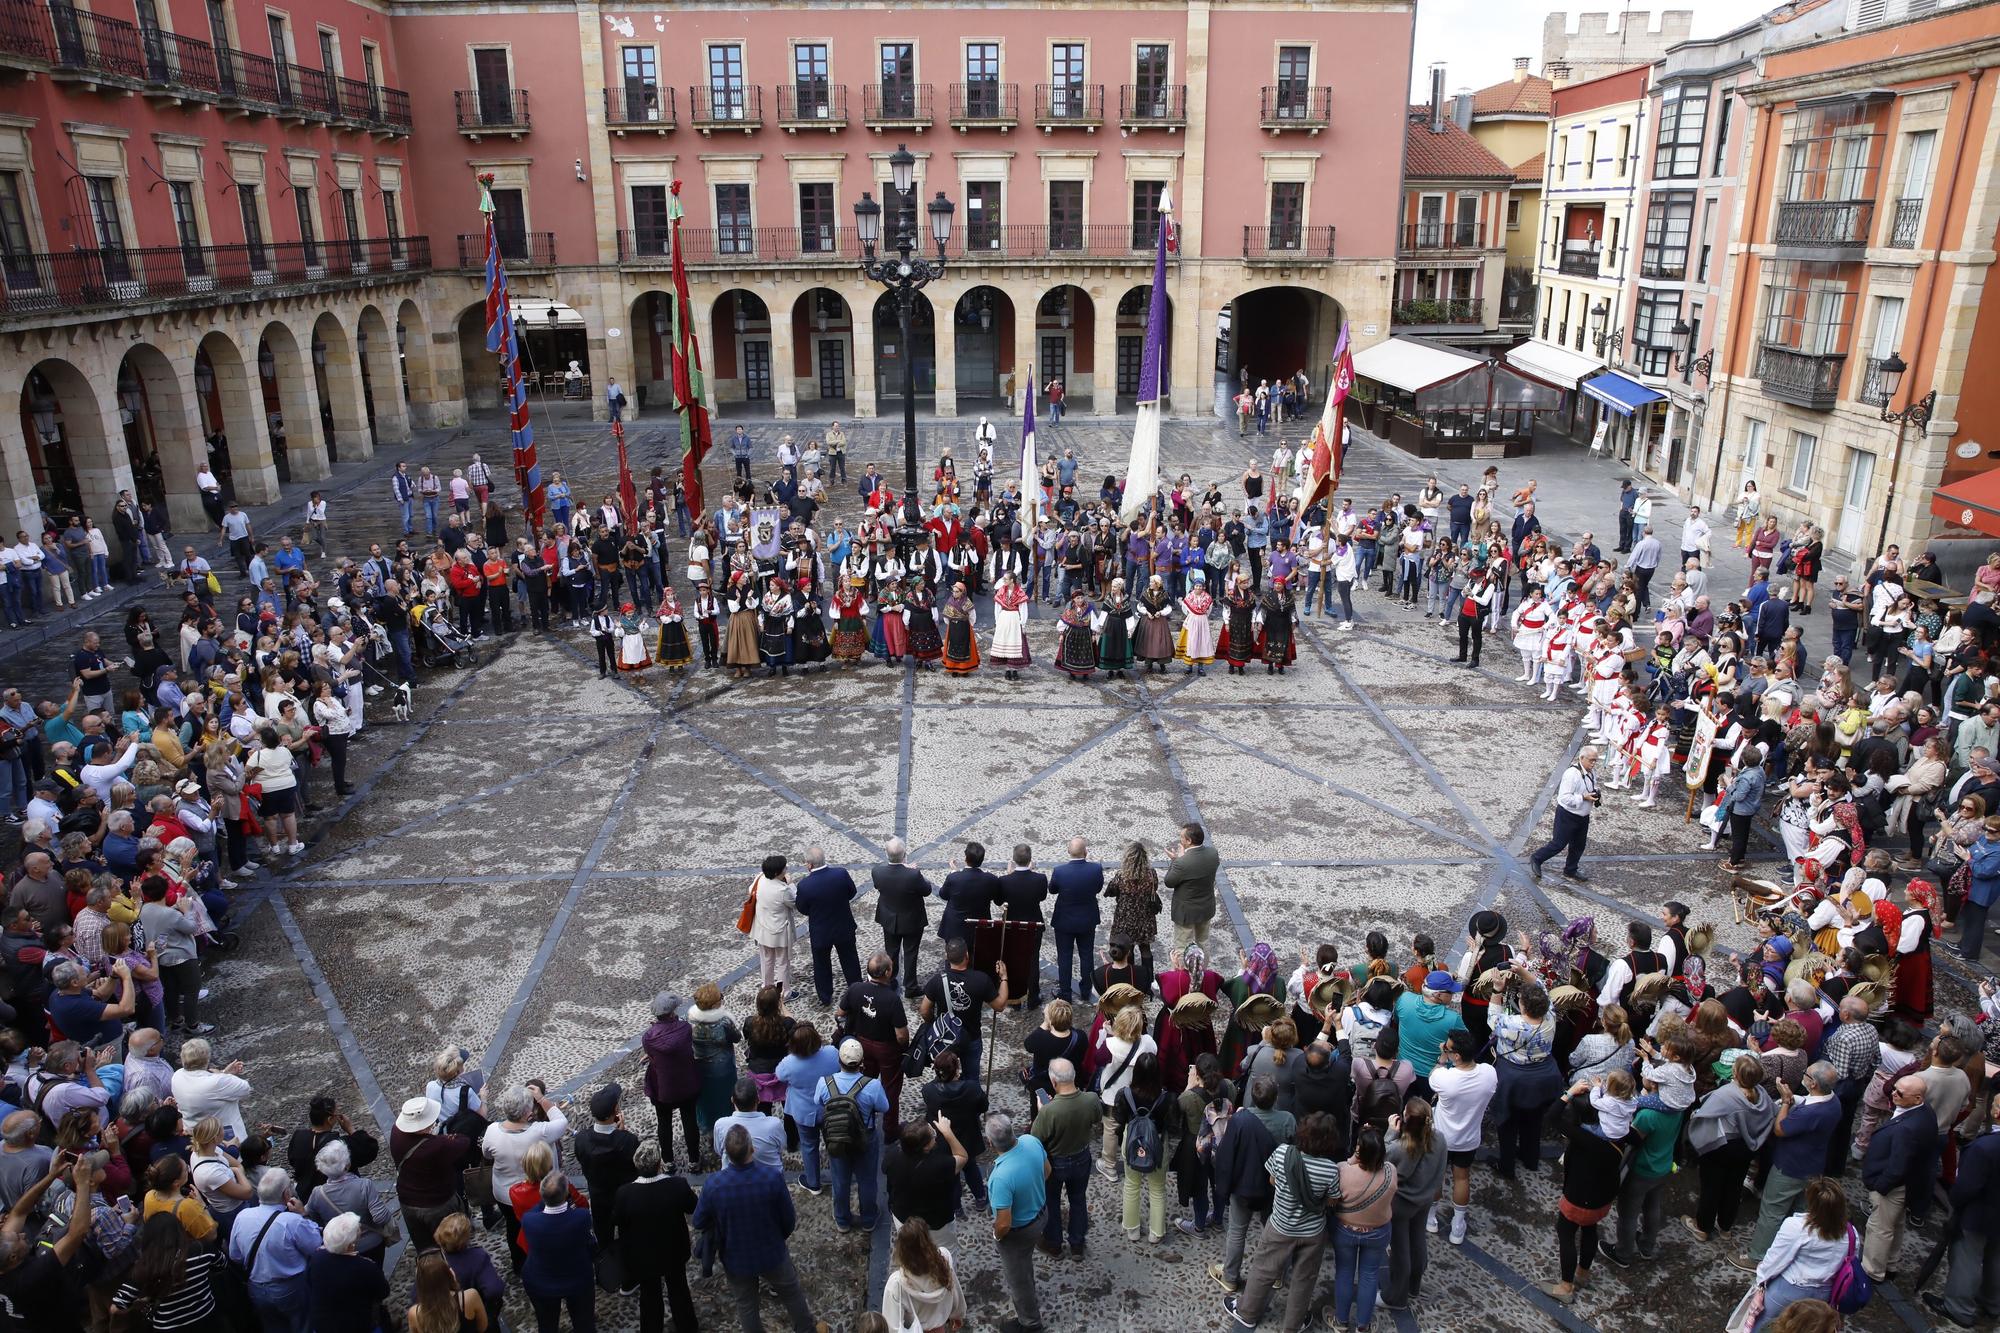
1576	798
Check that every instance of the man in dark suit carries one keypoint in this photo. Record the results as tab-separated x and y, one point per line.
1972	1287
1899	1171
1022	892
969	894
652	1214
900	891
1078	882
1191	881
823	899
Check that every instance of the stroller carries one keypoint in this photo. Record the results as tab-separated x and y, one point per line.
442	642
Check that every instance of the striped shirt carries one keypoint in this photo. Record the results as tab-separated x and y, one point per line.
1296	1217
189	1304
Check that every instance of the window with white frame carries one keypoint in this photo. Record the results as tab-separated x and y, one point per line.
1799	476
1753	444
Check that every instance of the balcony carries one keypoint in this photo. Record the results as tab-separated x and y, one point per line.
383	110
734	246
24	33
639	106
886	106
306	94
492	111
1823	229
1906	224
1117	242
1440	311
89	46
985	105
1581	261
1874	384
1069	106
82	280
1277	243
1441	236
520	250
1152	106
812	106
1295	106
713	107
1803	379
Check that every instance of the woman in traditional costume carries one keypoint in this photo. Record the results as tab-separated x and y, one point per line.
1115	622
1076	648
1197	647
1239	625
1155	639
1276	643
774	635
742	653
850	625
1912	994
631	640
1009	645
809	646
961	638
926	642
674	652
892	630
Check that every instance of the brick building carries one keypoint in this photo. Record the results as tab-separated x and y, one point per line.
259	231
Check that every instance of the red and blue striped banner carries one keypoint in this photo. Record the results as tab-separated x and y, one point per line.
500	339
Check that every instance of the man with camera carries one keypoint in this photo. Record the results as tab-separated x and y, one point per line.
1576	798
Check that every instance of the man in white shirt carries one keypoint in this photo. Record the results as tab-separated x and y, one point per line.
1694	535
26	560
1462	1088
200	1092
767	1132
1576	798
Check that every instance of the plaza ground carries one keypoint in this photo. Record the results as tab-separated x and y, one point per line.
538	852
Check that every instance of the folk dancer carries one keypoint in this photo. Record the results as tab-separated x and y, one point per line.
742	605
604	631
1277	618
1009	645
673	653
926	642
891	640
1531	622
850	623
1076	647
1556	655
707	618
1197	639
631	641
776	613
1239	627
1155	639
961	638
1606	671
809	641
1115	623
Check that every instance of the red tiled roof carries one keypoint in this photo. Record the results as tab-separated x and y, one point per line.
1532	171
1532	96
1453	154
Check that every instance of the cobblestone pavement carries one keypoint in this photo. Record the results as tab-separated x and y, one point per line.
538	852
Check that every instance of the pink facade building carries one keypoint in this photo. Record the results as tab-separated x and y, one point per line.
332	193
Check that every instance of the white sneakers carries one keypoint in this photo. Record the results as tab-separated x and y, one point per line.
1458	1226
1431	1220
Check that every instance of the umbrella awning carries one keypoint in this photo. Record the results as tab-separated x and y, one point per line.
1412	366
1556	365
1972	502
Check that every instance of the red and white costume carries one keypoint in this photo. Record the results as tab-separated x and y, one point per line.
1531	621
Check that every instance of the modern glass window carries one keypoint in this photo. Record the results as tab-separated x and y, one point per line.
641	70
1294	82
810	84
1151	93
1804	446
818	227
1669	221
725	81
982	78
899	79
1286	225
733	234
982	215
1146	213
1683	123
1065	215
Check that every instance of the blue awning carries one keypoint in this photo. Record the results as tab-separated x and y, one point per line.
1621	395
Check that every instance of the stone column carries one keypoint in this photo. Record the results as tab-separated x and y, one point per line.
944	344
176	426
863	369
96	441
392	420
784	376
20	508
342	379
298	404
1104	356
253	472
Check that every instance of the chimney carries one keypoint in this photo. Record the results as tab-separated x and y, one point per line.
1557	71
1520	69
1461	108
1437	99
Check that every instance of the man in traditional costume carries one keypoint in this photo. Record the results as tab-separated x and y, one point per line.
707	617
850	625
1115	622
1531	620
1197	646
1076	649
1276	642
961	639
1154	641
1009	646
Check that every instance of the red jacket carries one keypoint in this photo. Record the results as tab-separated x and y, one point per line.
465	580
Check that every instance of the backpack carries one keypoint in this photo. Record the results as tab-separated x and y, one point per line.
843	1125
1143	1149
1852	1288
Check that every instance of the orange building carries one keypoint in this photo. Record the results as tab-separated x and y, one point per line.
1858	316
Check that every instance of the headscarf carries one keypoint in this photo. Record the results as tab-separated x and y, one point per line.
1259	967
1774	970
1193	961
1923	894
1077	614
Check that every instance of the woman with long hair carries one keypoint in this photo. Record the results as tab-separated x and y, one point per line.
440	1305
1361	1226
1135	891
1804	1256
171	1285
1418	1157
767	1036
922	1294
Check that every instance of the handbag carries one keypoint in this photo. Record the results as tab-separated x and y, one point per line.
1744	1317
748	915
214	585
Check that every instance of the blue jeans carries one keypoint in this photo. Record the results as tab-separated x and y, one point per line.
31	590
1068	1176
1312	586
1460	531
1781	1294
1364	560
1357	1259
975	1183
863	1171
431	514
15	778
559	514
100	572
1084	945
1843	643
408	508
809	1155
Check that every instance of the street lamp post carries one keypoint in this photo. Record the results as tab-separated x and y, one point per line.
903	275
1683	336
1918	413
